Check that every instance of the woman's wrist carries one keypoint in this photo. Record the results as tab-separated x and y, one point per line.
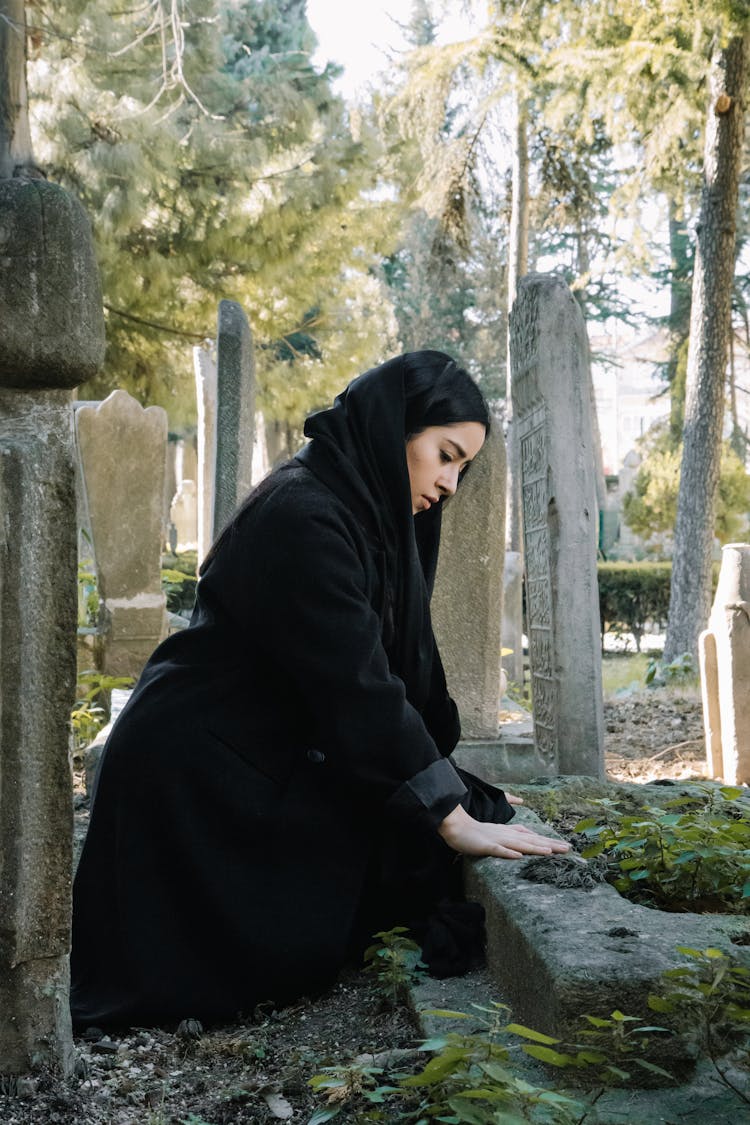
451	825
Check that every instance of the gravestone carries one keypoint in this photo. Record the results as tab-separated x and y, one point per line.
184	516
552	404
52	339
725	670
204	364
467	601
123	452
235	413
512	631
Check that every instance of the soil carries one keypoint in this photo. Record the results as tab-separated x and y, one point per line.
258	1072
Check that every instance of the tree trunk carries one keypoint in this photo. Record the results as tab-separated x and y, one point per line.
518	256
710	326
15	138
680	271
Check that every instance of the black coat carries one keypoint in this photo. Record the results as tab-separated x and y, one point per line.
264	775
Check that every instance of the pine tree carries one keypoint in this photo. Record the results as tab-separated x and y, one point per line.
216	162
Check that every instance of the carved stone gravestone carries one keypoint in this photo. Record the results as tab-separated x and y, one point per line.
204	364
467	602
725	670
552	404
123	449
52	339
235	412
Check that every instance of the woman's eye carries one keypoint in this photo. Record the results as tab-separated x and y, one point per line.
446	457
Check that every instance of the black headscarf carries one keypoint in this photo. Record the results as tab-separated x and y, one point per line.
358	449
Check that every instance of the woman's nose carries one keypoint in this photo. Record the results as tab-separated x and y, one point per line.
448	480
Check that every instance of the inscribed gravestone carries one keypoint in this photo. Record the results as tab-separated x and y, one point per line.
467	602
123	452
552	404
235	414
52	339
725	670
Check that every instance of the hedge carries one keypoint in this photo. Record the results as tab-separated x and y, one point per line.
632	595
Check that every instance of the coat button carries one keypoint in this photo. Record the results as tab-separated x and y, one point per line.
316	756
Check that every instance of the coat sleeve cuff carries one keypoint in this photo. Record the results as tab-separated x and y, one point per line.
429	795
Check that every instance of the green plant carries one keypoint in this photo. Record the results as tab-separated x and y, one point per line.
179	588
692	854
396	960
88	594
633	594
89	712
717	989
344	1084
473	1077
659	673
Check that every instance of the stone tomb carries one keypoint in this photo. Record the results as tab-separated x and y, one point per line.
725	670
552	404
559	952
235	413
52	339
123	451
467	601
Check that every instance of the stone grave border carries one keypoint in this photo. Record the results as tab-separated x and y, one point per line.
559	953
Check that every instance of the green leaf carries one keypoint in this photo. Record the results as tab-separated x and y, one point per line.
731	792
446	1013
597	1021
588	822
659	1004
653	1068
529	1033
435	1044
322	1115
546	1054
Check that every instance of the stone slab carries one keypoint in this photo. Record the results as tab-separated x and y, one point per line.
38	608
50	294
467	603
557	953
698	1101
552	410
235	412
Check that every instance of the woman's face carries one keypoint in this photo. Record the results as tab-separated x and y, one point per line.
435	459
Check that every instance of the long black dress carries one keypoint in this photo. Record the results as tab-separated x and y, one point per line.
271	791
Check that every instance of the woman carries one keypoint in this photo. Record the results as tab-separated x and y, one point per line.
279	785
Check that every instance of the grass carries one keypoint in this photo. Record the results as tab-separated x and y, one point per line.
627	671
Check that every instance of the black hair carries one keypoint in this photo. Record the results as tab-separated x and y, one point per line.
440	393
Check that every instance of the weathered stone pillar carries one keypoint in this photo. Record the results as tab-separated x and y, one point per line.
235	417
52	339
512	631
552	406
467	604
204	363
123	449
184	516
725	670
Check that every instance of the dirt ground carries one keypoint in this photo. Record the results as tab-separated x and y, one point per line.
259	1072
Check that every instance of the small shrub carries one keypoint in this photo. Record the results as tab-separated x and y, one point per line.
91	708
717	990
633	594
693	854
179	588
396	960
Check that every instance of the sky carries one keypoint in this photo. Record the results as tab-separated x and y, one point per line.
360	35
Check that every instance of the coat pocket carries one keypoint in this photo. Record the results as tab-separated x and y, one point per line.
275	762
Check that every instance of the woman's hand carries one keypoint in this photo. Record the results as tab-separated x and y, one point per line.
506	841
